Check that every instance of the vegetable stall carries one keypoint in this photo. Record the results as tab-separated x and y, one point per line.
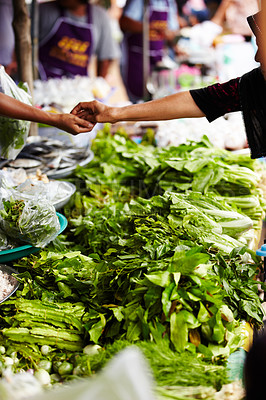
159	252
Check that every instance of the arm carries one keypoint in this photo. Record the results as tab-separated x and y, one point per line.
103	67
179	105
220	14
130	25
12	108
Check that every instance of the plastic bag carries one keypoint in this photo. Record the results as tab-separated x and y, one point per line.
27	219
57	192
126	377
13	132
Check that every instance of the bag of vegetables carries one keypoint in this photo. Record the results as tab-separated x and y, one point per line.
13	132
27	219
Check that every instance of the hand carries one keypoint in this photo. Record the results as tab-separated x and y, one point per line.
93	111
72	124
12	69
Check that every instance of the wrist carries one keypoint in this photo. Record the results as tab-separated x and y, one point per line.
114	113
51	118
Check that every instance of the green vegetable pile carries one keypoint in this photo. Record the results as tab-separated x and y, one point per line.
157	253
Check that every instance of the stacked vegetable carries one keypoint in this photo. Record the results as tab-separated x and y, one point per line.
157	253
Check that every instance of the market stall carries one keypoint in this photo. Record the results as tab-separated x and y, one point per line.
131	245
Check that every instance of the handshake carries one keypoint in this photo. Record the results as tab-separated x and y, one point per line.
85	116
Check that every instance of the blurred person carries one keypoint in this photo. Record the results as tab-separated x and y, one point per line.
70	33
163	28
7	38
212	6
246	93
115	12
235	14
192	12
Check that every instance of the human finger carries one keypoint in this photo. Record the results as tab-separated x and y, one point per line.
85	115
82	125
82	106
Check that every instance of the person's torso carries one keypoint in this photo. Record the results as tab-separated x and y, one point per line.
67	48
158	22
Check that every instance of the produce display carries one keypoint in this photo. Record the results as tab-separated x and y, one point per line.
159	252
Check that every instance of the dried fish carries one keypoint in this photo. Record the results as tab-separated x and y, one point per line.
51	156
24	163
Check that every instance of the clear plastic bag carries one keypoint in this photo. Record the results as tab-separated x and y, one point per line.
26	218
126	377
13	132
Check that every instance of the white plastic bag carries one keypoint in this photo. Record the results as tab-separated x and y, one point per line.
126	377
27	218
13	132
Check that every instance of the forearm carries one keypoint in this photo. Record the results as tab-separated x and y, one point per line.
179	105
13	108
103	67
130	25
219	16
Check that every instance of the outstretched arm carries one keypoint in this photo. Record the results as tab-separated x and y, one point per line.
179	105
12	108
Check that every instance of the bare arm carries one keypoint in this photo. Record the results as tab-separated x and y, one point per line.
220	14
130	25
12	108
179	105
103	67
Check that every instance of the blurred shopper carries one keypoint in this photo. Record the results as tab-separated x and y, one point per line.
192	12
70	33
246	94
7	38
163	28
234	15
212	6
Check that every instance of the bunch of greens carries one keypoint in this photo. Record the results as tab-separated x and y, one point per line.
12	211
170	369
195	298
122	169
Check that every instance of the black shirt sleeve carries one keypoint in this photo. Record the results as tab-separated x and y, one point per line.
218	99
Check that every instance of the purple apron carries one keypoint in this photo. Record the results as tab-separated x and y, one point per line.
67	49
134	73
